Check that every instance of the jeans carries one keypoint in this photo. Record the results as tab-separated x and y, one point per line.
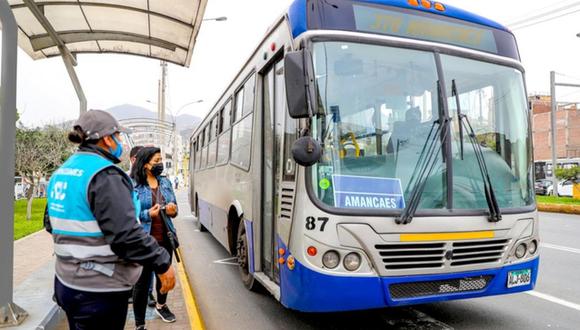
141	290
92	310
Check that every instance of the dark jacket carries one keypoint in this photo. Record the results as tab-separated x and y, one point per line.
111	202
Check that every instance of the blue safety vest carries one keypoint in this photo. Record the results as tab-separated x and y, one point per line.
85	260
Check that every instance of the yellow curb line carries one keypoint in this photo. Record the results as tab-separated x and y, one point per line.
559	208
193	312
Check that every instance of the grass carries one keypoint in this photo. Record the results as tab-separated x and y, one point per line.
557	200
23	227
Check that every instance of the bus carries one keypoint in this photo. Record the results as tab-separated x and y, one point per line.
373	153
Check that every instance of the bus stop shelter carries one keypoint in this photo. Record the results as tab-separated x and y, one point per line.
157	29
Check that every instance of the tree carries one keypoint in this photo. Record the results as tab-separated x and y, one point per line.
568	173
39	152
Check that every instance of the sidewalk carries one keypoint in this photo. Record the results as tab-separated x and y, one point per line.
33	287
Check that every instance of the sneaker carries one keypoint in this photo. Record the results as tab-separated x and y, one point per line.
151	301
140	327
165	314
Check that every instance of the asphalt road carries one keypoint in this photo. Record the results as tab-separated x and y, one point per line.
555	304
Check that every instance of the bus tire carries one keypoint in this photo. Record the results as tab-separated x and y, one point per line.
242	253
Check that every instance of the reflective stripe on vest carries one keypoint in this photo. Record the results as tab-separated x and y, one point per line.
85	260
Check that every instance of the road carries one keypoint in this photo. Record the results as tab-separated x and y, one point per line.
555	304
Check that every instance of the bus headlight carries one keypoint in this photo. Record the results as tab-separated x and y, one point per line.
533	247
331	259
521	251
352	261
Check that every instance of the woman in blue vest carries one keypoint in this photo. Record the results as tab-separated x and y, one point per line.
92	215
156	196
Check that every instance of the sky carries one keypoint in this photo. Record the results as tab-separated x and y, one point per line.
46	95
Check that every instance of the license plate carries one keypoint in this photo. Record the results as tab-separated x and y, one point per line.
519	278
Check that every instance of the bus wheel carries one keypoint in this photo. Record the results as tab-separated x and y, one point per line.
244	260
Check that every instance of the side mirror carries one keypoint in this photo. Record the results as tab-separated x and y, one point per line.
306	151
299	84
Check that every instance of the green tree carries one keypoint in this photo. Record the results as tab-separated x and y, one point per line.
568	173
39	152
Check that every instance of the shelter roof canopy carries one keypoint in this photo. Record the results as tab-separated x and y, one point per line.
160	29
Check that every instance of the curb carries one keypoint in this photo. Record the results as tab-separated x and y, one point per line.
52	318
193	312
559	208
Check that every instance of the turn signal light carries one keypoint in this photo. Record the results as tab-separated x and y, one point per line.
426	4
281	260
439	6
311	251
291	263
281	251
414	3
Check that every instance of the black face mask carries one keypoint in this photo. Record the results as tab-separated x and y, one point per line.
157	169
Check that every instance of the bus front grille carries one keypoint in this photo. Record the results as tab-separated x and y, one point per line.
471	253
433	288
412	256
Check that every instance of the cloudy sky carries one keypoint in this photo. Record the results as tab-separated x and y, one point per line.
45	94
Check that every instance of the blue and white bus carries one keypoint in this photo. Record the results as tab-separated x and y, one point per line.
373	153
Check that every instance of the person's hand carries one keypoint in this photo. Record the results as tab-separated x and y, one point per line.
154	211
171	209
167	280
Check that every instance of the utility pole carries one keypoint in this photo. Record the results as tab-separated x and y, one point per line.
554	130
553	85
161	103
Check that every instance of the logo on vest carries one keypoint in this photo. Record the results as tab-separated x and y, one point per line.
58	192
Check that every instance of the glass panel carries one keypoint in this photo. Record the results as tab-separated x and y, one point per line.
249	88
227	115
223	148
380	104
211	156
203	158
269	160
211	129
494	100
242	143
239	105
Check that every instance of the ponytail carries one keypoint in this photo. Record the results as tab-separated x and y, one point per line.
77	135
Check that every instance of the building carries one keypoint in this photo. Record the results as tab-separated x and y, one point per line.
567	134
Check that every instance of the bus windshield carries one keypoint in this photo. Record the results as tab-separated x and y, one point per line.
381	106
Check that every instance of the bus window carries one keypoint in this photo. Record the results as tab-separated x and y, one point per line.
242	143
198	155
211	129
239	105
249	88
226	116
211	154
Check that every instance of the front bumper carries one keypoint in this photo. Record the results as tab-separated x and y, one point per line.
306	290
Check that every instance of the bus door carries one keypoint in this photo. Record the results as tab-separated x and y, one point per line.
273	165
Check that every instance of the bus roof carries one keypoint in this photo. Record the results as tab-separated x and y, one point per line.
298	19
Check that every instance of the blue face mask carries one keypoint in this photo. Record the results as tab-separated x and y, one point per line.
119	151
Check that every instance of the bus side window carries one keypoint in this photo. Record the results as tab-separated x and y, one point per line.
249	88
239	105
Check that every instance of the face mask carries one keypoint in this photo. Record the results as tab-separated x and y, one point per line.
157	169
119	151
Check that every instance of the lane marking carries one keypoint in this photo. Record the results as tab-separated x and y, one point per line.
554	299
227	261
193	313
559	247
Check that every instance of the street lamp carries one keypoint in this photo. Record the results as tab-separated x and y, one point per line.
218	19
174	114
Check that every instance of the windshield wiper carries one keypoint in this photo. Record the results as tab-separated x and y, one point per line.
459	114
425	165
492	204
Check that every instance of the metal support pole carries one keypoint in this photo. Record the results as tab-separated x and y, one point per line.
554	130
10	314
69	65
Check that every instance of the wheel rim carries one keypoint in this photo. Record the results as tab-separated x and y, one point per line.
242	252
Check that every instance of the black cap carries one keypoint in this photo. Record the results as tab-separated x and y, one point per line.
98	123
